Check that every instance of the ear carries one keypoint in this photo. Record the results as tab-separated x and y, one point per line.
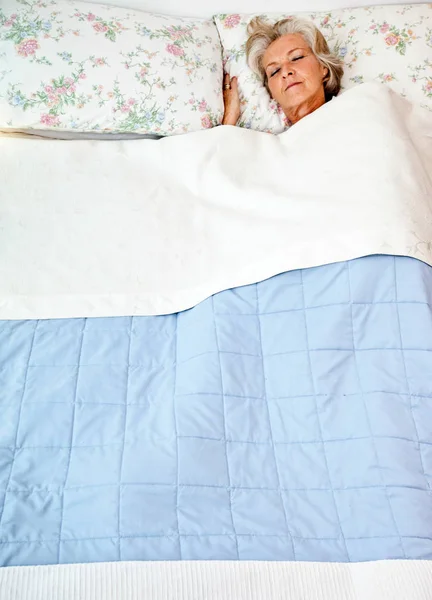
326	73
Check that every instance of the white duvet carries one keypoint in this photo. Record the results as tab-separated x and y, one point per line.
144	227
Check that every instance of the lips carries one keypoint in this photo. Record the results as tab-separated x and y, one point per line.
292	85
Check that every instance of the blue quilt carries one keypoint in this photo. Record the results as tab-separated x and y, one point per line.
289	420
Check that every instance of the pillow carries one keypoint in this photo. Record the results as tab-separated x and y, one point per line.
390	44
59	134
76	66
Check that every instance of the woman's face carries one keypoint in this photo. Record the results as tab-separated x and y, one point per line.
294	76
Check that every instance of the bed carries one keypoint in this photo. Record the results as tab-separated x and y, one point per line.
210	386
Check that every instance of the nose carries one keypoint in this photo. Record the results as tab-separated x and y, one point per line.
287	69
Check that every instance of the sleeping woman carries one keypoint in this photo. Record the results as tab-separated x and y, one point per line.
295	64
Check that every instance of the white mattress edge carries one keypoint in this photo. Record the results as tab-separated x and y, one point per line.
216	580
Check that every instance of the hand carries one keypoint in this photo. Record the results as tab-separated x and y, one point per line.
231	101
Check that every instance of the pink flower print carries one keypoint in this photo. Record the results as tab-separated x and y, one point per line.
76	33
388	77
69	81
61	90
202	106
143	72
100	27
325	21
373	26
82	76
8	23
231	21
131	101
53	100
49	120
392	40
174	34
191	101
99	62
49	89
13	17
428	86
175	50
384	28
91	17
205	122
27	47
125	108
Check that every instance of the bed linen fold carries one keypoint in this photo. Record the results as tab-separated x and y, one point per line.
148	228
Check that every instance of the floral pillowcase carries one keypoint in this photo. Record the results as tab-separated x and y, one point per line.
390	44
75	66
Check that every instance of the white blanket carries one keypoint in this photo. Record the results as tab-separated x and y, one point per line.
144	227
219	580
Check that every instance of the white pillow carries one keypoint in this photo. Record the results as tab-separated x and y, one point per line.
391	44
76	66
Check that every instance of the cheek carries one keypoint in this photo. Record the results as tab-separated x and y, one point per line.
314	73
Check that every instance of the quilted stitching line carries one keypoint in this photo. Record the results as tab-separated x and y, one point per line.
209	486
224	424
208	535
317	307
218	439
319	420
176	434
368	419
230	396
71	441
58	488
407	380
199	437
19	419
301	395
124	438
285	352
270	423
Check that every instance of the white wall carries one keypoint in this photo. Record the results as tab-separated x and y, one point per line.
206	8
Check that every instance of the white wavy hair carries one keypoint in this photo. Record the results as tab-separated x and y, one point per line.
262	34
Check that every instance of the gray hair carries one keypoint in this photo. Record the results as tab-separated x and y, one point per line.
262	34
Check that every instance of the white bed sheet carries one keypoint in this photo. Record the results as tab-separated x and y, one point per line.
154	227
213	580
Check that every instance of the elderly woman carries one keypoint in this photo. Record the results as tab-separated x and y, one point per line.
295	64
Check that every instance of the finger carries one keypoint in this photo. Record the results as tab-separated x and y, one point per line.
234	83
227	78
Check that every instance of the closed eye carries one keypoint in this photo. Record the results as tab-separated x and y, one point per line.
293	60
